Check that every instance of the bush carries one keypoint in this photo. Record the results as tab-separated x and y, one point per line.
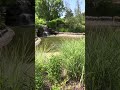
63	29
39	21
54	69
79	29
74	25
55	23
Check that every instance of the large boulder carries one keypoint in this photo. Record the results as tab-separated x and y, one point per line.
45	31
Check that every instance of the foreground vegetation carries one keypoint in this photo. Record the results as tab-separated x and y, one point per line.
59	70
102	58
16	64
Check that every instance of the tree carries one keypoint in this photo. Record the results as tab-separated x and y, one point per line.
78	10
68	13
49	9
78	13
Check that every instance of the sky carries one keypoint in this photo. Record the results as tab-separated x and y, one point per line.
73	3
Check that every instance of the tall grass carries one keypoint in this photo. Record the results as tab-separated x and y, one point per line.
40	68
62	68
102	59
41	62
73	55
17	64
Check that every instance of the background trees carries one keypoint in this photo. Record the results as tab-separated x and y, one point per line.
49	12
68	13
49	9
75	20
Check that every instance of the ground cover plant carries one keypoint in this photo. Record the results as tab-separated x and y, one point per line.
58	70
102	58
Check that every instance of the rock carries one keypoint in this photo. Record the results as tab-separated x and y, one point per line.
20	13
6	36
37	41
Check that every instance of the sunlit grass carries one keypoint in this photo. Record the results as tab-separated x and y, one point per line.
52	69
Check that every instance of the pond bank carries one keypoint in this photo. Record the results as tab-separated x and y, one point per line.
68	34
62	35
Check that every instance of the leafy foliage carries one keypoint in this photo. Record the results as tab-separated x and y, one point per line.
39	21
55	69
68	13
75	22
55	23
49	9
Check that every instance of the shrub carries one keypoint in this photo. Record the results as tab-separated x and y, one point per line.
74	25
63	29
55	23
39	21
79	28
54	69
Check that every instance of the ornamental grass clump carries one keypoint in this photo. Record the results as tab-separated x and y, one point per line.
73	55
102	59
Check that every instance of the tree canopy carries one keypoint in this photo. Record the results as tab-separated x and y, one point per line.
49	9
68	13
